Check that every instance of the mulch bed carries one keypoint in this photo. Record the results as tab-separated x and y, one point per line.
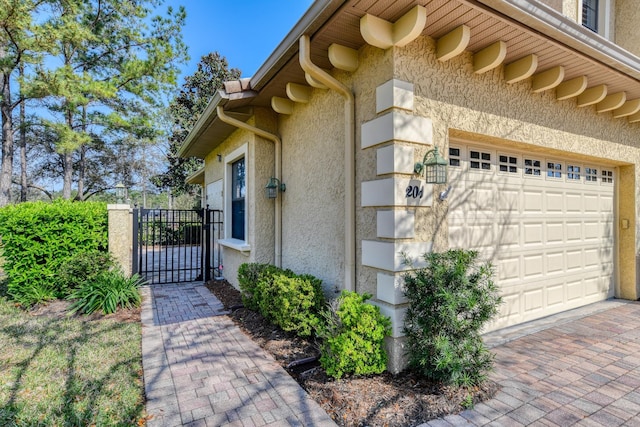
377	400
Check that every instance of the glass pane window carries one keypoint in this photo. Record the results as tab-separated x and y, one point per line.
607	177
573	172
554	170
454	157
532	167
508	164
590	14
591	174
238	192
480	160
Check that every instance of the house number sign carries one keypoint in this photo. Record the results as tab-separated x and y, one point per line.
414	192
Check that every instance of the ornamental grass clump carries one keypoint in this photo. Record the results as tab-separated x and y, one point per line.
450	301
107	292
352	336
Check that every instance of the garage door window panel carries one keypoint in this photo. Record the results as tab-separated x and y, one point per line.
454	157
591	175
573	172
554	169
508	163
532	167
480	160
607	177
457	164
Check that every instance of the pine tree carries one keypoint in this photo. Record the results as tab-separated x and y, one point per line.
114	63
21	42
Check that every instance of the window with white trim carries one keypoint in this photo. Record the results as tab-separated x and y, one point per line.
238	193
554	170
573	172
596	15
607	177
590	14
479	160
532	167
454	157
507	163
591	174
236	233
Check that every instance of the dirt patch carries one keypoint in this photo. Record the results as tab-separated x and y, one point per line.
378	400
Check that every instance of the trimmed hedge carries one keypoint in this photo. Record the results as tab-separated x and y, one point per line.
290	301
37	238
352	332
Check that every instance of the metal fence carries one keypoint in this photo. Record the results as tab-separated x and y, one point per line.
175	245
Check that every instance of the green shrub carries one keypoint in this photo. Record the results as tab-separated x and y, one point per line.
353	335
449	303
290	301
248	276
38	237
82	267
107	292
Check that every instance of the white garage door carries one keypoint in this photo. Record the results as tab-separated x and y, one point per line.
546	223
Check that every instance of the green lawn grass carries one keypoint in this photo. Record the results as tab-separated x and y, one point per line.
68	371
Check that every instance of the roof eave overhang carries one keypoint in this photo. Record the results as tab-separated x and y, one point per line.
198	142
204	121
545	20
315	17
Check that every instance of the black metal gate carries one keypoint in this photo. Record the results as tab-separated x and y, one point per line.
175	245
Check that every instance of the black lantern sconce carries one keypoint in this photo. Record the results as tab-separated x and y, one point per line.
273	187
434	167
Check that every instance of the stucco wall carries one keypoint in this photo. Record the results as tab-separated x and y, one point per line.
313	171
120	230
259	210
314	168
626	29
570	9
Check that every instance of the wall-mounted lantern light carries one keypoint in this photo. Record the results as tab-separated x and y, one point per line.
120	192
434	167
273	186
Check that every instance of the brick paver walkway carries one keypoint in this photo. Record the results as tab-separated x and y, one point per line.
579	370
201	370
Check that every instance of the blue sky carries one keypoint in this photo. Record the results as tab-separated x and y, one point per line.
245	32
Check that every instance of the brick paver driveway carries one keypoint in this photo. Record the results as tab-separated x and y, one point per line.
581	368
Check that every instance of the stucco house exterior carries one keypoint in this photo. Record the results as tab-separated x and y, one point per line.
534	105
